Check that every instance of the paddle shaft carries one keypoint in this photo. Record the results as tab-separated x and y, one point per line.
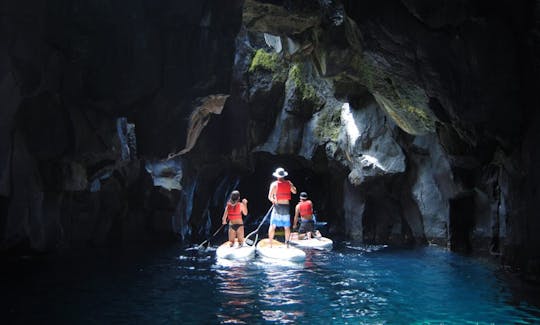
217	231
259	227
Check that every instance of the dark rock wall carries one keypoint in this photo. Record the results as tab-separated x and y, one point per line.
456	81
408	121
69	72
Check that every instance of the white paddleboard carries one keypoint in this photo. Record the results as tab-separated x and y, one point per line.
279	251
317	243
244	252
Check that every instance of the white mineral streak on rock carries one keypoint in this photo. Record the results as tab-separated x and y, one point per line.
212	104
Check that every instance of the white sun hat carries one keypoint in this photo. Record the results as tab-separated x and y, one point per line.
280	172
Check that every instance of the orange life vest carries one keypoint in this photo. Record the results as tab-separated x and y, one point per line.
233	211
305	208
283	191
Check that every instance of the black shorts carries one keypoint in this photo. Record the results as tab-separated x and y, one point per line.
306	226
235	227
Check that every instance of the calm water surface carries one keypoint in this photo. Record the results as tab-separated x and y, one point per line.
348	285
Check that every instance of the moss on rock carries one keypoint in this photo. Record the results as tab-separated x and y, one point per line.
306	91
404	102
263	60
329	124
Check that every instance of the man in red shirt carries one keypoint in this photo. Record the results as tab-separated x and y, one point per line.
304	210
280	195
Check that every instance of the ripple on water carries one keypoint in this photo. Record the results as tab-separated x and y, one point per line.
350	285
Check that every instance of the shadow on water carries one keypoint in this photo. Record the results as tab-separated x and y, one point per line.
353	283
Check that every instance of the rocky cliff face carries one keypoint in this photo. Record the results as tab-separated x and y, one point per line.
420	111
407	121
90	93
447	160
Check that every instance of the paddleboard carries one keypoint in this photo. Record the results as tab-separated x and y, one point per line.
244	252
317	243
279	251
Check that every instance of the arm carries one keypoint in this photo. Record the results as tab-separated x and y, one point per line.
293	188
244	207
296	213
224	219
272	193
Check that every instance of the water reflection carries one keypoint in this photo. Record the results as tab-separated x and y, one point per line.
352	284
237	299
280	294
365	285
352	292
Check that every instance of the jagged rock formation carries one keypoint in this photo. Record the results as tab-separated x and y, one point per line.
444	163
89	92
408	121
199	118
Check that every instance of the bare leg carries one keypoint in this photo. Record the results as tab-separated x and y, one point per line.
240	235
232	234
287	233
271	231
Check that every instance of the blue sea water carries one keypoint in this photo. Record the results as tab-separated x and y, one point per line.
352	284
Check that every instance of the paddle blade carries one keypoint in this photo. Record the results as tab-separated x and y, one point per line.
251	242
202	245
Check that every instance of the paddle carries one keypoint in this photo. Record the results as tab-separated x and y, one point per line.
318	223
204	242
256	231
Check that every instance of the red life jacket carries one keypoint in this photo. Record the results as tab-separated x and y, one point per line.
305	208
283	191
233	211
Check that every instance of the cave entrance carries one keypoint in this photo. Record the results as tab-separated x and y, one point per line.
461	223
320	181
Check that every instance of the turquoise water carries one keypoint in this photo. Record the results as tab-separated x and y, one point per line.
348	285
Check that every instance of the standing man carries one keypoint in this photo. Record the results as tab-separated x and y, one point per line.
280	195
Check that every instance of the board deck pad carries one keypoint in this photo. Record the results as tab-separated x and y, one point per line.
279	251
235	252
321	242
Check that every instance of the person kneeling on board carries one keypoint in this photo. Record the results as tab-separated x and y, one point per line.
233	212
304	210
